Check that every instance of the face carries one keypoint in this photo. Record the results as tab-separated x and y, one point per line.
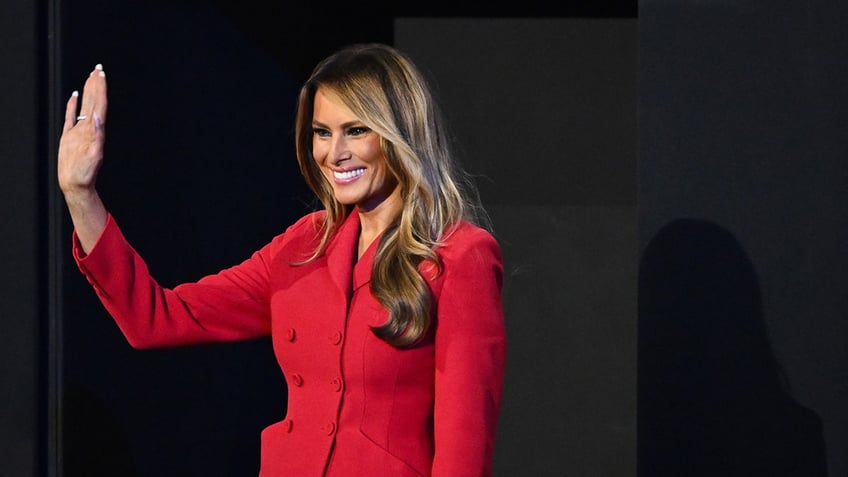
349	155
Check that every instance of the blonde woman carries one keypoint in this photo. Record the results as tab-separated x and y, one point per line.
384	306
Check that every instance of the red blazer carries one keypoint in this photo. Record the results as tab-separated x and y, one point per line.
356	405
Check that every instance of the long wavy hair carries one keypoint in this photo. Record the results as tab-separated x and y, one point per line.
389	94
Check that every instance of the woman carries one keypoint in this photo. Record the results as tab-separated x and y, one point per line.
384	307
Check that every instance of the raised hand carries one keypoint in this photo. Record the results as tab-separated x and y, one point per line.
83	135
81	155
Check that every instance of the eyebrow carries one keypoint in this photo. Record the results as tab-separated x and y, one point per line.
346	125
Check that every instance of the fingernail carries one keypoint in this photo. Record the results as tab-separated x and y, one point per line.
97	122
75	93
98	67
102	74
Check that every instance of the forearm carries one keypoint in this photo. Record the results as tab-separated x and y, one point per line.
88	215
226	306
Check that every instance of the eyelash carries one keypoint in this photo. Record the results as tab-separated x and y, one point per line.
353	131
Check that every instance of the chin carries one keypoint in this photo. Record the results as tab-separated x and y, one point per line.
346	199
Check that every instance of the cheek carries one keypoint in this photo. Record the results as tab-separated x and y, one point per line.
372	154
319	151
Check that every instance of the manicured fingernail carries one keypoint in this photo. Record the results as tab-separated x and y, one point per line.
75	93
98	67
97	121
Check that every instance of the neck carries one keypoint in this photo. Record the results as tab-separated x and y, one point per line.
376	220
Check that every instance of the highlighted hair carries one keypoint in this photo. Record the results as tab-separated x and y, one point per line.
388	93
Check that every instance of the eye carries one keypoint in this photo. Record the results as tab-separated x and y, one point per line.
358	131
320	132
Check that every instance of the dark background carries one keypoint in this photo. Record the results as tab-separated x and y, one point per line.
743	367
735	248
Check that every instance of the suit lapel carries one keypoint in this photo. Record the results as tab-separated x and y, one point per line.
341	252
362	270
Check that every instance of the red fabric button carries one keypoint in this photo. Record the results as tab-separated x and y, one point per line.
336	383
330	428
297	380
336	337
290	334
287	425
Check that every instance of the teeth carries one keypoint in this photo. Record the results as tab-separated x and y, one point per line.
348	174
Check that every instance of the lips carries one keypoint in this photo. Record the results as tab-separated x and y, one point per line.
348	176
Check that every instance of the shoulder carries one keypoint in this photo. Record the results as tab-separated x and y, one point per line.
469	245
471	265
466	237
309	224
304	232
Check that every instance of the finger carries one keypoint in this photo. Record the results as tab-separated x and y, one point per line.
71	112
94	94
103	100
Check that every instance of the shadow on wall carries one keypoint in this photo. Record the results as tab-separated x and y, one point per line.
712	398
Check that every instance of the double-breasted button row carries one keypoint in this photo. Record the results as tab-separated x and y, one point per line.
335	337
329	428
336	384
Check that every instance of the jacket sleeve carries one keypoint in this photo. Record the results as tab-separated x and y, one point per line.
230	305
470	351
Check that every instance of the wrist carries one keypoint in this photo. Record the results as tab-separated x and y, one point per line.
79	195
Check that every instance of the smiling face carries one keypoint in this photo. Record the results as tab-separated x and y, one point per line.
350	157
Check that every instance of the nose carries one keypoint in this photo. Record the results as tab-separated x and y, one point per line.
339	150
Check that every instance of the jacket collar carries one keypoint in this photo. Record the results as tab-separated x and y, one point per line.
341	253
346	271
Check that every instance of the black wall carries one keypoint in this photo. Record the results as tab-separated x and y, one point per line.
742	357
22	327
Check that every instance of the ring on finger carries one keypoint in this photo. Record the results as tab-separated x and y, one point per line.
81	117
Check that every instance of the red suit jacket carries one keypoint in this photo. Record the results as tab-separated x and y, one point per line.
356	405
